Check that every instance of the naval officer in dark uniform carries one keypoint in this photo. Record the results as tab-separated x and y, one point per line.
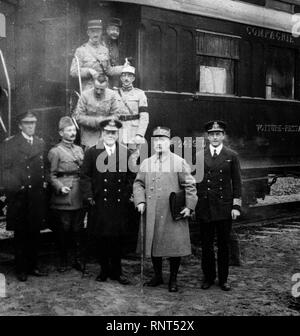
23	173
106	184
219	203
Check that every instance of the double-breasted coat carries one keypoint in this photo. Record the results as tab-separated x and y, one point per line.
220	186
156	179
23	178
108	181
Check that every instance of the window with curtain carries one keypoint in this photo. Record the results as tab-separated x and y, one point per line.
280	73
217	56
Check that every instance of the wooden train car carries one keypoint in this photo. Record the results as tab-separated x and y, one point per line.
196	60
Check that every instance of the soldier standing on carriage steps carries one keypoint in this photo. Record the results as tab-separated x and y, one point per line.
93	57
133	111
111	40
66	202
24	181
219	203
106	184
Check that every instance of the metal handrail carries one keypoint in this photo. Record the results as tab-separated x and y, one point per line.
8	92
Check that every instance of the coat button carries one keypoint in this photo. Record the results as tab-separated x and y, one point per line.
149	197
29	186
119	200
208	181
208	189
221	188
119	190
105	190
42	167
221	171
221	180
29	177
105	180
119	181
105	199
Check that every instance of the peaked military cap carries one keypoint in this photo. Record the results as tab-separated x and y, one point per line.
93	24
115	22
65	122
110	124
162	132
27	116
215	126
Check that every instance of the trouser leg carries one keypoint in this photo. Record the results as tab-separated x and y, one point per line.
115	257
77	241
234	250
174	268
157	279
20	244
223	238
208	254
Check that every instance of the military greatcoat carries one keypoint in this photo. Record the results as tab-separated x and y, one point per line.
156	179
23	178
108	181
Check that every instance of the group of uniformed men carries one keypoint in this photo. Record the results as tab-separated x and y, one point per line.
98	176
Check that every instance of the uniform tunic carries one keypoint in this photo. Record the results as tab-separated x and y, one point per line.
96	58
138	104
220	186
156	179
91	110
65	162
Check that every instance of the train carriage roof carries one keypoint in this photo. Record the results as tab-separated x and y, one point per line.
230	10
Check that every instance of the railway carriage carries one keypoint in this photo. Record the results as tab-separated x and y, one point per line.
197	60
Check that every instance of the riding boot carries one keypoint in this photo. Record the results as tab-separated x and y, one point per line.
157	279
174	267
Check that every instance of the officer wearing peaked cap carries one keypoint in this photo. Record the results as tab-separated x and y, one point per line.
160	175
106	184
219	203
93	57
24	180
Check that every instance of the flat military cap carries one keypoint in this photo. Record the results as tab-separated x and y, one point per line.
215	126
65	122
27	117
128	69
110	124
114	22
93	24
162	132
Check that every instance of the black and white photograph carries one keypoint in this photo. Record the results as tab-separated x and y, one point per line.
150	160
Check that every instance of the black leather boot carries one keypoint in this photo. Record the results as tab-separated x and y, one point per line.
157	279
174	267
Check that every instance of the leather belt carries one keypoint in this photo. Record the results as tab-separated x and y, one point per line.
127	117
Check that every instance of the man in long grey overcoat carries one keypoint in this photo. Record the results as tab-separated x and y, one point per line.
161	174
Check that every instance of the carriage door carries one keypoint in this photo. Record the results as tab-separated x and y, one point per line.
7	66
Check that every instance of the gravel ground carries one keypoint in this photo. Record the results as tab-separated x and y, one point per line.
261	286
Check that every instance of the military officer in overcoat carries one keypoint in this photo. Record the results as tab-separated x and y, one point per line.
106	184
93	57
24	182
161	174
66	202
219	203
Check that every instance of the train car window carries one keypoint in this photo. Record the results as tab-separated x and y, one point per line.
280	73
217	57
